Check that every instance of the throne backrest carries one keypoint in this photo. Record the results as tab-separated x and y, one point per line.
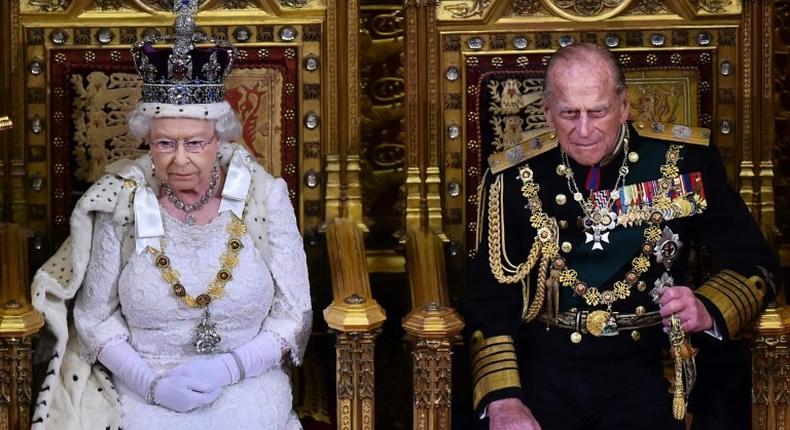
93	92
505	101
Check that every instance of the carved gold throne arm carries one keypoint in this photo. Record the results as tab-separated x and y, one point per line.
357	319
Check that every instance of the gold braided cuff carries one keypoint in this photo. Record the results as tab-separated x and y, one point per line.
737	297
494	365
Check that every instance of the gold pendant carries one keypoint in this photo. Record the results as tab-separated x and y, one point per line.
576	337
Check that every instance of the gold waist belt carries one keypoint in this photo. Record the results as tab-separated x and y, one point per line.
601	323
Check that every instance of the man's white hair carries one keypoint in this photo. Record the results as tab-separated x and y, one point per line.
226	124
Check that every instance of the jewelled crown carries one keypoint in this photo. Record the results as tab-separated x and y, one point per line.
184	73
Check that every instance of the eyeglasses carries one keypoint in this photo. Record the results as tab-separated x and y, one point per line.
166	146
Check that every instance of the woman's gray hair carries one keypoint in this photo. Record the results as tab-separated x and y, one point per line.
226	126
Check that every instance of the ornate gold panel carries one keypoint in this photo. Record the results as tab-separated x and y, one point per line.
781	121
382	153
559	11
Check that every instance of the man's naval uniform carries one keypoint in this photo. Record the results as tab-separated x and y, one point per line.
602	374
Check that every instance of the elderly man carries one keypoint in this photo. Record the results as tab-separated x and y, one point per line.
580	270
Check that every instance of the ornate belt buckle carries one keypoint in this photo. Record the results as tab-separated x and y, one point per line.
601	323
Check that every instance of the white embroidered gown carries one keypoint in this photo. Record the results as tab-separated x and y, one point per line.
134	303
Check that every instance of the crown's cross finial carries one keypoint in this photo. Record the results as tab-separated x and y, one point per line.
180	5
179	65
186	73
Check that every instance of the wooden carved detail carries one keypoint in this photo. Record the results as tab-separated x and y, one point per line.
355	371
383	150
355	379
109	4
586	10
781	116
770	382
15	381
432	384
50	5
468	10
648	7
525	7
714	6
586	7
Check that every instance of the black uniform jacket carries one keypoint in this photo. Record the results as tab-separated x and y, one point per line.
733	295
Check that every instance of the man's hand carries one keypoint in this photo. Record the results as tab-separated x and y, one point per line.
682	301
511	414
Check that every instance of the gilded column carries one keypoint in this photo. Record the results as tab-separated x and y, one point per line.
19	323
357	319
751	111
767	212
423	180
771	370
343	187
432	331
432	328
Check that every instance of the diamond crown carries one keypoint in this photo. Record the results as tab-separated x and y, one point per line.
183	73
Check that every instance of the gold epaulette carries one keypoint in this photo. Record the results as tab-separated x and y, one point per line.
738	298
494	365
673	132
531	147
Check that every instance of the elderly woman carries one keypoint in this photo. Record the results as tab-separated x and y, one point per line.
187	269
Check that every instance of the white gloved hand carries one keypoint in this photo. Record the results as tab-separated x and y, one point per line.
182	394
217	371
179	394
256	357
127	365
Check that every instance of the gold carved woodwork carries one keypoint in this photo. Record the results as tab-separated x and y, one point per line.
15	382
432	328
382	151
770	370
556	11
587	9
344	191
432	361
357	319
422	118
19	323
151	6
355	380
780	103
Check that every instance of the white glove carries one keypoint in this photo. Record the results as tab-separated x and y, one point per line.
182	394
255	357
127	365
179	394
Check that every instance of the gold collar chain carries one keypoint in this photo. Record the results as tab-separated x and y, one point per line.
216	288
549	239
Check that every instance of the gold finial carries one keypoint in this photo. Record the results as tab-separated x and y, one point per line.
6	123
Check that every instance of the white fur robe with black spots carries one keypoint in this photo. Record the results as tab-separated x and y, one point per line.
76	395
